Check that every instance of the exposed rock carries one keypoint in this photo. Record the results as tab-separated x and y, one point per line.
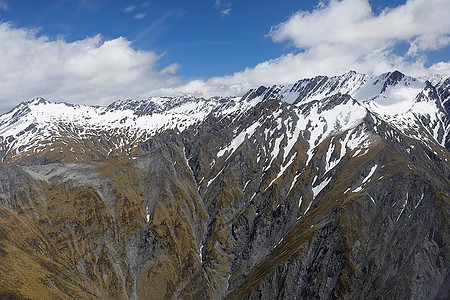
319	197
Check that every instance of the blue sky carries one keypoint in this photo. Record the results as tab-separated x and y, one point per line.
205	37
98	51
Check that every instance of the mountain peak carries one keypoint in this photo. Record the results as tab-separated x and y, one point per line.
38	100
388	95
392	79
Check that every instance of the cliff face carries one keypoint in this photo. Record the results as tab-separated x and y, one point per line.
322	196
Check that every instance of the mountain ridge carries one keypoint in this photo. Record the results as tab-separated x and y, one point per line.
141	119
318	196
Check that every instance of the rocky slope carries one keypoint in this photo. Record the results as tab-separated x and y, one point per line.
328	188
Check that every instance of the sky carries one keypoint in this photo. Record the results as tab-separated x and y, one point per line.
98	51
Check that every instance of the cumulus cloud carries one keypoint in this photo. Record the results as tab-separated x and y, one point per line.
341	36
91	71
350	21
349	31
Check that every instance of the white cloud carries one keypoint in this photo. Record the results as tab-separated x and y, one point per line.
440	67
428	42
352	24
129	8
140	16
225	12
89	71
171	69
350	20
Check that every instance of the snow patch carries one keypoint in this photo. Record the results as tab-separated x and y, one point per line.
317	189
239	139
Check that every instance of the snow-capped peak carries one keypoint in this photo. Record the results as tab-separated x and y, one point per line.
35	124
394	97
398	99
319	87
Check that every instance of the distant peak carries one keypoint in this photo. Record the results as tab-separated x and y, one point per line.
392	79
396	74
38	101
351	73
253	93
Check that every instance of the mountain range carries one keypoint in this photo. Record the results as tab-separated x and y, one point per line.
329	188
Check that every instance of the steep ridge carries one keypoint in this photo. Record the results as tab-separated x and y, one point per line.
394	97
329	188
39	127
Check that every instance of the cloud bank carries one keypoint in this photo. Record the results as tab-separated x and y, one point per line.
91	71
334	38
